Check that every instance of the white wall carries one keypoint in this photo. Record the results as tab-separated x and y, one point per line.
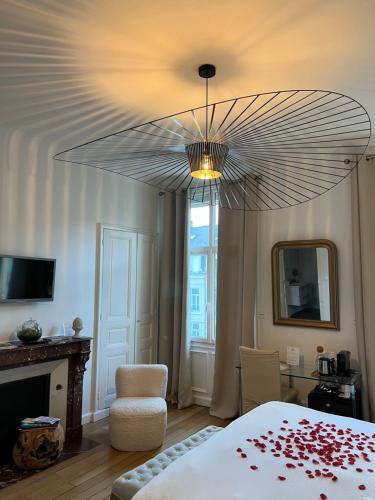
51	209
328	216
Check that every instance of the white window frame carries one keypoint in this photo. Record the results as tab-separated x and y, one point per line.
210	252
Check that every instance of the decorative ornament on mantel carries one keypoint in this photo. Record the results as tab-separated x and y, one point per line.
30	331
259	152
77	326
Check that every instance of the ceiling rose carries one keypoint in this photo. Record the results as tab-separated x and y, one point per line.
258	152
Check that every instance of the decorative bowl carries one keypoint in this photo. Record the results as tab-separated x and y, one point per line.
29	331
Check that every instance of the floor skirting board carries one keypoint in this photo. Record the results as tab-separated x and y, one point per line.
94	416
201	400
86	418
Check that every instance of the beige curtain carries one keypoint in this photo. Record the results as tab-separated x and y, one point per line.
236	286
363	223
173	346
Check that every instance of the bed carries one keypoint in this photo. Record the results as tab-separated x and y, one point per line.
276	451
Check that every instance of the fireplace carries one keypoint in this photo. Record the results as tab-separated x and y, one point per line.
61	361
20	399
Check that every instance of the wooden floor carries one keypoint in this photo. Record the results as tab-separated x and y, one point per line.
90	475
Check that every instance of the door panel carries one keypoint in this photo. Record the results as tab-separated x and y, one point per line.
146	299
117	318
145	351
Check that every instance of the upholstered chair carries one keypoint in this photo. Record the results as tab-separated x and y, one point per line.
260	379
138	417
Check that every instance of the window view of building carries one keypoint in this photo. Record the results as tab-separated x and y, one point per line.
203	269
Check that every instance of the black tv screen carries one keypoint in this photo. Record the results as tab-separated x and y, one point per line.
26	279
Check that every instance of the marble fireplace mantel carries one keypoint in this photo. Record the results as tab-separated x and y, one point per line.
75	349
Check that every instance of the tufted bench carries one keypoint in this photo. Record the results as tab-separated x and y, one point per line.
127	485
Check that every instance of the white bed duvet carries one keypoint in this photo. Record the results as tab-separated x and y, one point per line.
306	455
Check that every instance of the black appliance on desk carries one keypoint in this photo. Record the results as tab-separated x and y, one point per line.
339	389
343	363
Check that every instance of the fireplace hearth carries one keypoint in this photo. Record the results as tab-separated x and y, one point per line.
20	399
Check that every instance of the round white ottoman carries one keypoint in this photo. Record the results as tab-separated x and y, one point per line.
137	423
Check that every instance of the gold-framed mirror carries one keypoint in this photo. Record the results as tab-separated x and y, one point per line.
305	284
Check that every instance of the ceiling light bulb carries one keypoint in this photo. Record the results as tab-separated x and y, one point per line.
206	169
206	160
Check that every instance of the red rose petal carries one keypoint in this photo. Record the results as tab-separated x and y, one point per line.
361	487
321	444
323	496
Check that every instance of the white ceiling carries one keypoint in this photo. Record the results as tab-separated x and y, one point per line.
73	70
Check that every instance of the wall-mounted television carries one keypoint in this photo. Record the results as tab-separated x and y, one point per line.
24	279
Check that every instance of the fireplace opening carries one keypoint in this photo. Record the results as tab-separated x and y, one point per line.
20	399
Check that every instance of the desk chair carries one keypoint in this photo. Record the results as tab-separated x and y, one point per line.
260	379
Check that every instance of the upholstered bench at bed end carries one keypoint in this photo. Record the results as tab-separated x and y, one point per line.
128	484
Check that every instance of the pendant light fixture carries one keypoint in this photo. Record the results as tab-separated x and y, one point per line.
206	159
258	152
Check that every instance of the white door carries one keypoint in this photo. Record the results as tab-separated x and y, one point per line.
117	313
146	299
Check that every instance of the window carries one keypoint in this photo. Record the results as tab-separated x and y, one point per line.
195	329
203	269
198	264
195	300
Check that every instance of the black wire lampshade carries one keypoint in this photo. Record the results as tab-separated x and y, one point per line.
206	159
259	152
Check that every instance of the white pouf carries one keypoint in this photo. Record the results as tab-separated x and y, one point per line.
137	423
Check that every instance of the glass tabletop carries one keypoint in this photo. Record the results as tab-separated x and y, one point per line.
309	372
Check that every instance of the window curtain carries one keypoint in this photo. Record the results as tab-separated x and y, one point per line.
174	343
236	287
363	224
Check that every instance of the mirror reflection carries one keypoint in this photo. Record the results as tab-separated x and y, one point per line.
304	283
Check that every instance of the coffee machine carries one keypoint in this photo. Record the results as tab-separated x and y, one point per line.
326	365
